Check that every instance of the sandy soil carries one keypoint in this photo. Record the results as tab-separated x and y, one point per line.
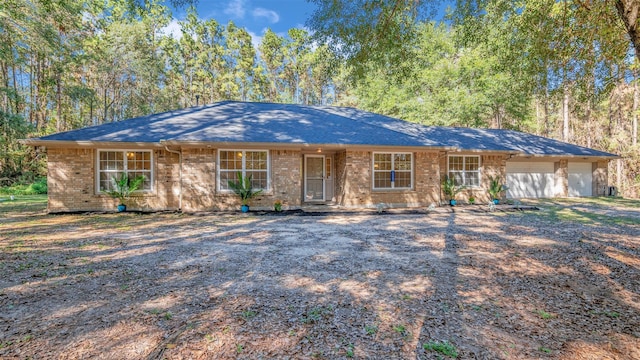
153	286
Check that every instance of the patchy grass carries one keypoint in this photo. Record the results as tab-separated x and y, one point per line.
590	211
444	348
23	203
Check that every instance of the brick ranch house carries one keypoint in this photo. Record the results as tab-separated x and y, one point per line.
305	155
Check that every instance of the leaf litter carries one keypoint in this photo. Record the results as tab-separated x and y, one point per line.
154	286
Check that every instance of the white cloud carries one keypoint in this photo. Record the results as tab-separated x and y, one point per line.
172	29
255	38
270	15
236	9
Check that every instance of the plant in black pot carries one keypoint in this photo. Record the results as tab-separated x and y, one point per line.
244	189
450	189
496	188
123	187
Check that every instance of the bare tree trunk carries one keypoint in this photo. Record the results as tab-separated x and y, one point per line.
629	12
565	113
619	176
59	102
588	121
636	99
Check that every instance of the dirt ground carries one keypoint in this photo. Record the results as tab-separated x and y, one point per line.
559	283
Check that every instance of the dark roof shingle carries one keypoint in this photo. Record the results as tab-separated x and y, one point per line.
248	122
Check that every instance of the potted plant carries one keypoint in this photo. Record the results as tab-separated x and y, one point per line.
450	189
472	200
123	187
496	188
244	189
277	205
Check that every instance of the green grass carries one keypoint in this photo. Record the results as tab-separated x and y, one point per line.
545	315
445	348
567	210
22	203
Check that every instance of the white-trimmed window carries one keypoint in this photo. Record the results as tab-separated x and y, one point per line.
254	163
465	170
392	170
113	163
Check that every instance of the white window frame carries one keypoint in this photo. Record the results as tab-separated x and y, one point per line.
393	185
125	169
244	168
464	172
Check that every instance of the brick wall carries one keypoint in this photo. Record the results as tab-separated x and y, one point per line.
199	187
71	181
286	179
198	179
355	188
600	178
72	187
561	178
492	166
340	176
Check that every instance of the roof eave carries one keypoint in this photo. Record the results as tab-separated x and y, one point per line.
219	144
572	156
86	143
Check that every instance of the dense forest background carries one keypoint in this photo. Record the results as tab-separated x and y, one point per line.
563	69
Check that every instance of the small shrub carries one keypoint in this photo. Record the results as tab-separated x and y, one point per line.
26	188
38	187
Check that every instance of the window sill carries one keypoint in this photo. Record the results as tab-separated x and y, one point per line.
405	190
134	195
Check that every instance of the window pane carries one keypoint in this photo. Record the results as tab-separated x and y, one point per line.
403	179
457	177
225	176
256	160
382	179
382	162
455	163
146	184
402	162
258	179
472	179
471	163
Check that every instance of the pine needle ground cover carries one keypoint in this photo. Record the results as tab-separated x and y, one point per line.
562	283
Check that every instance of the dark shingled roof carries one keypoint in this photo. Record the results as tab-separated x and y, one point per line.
247	122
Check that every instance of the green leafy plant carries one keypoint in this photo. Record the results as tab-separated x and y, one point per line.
277	205
123	187
496	187
243	188
349	350
444	348
544	315
450	188
472	200
371	329
544	350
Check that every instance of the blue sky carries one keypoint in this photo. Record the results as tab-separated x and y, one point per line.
254	15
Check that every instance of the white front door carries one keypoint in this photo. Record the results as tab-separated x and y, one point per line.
314	181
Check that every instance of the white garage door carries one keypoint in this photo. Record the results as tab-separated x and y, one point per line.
530	179
580	179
